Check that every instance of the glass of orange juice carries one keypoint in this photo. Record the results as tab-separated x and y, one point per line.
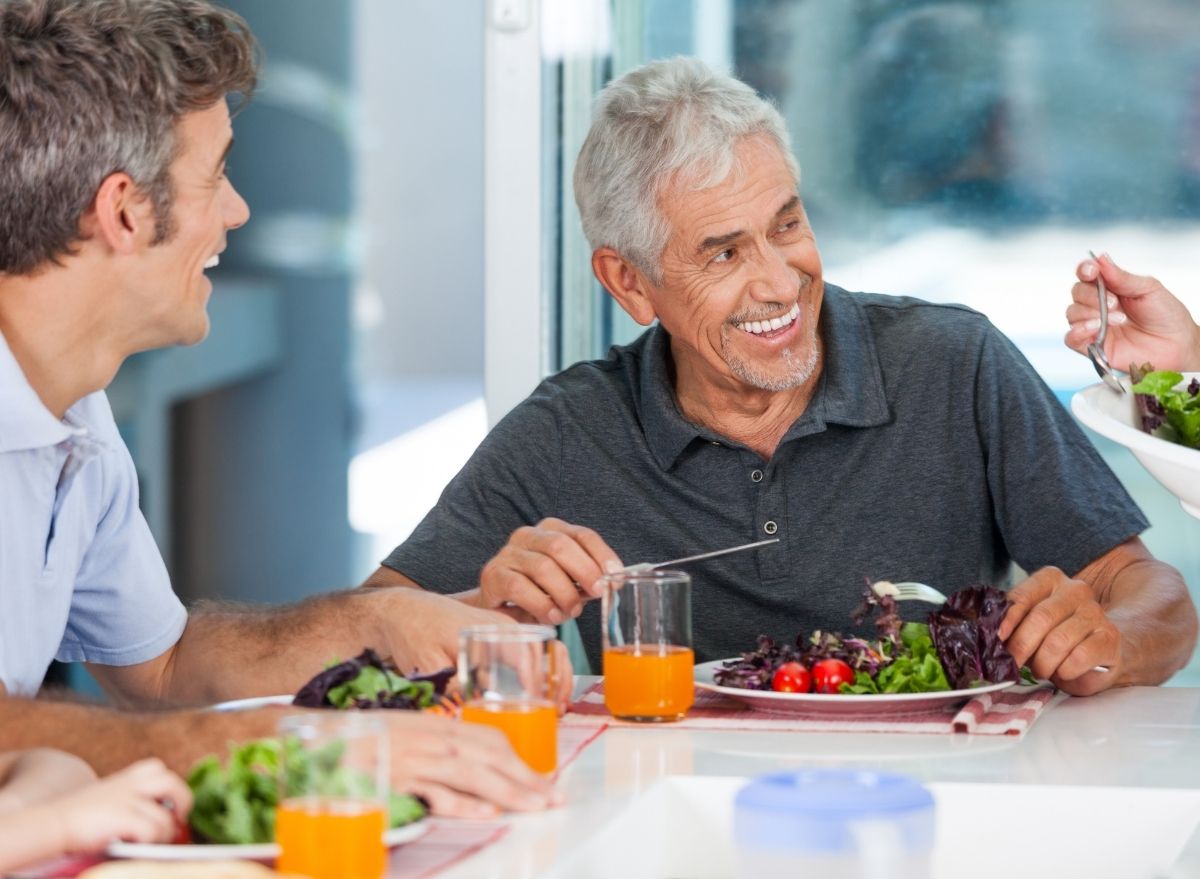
506	673
333	796
648	659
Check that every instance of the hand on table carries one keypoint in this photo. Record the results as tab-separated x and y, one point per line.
1145	321
144	802
462	769
539	566
1059	630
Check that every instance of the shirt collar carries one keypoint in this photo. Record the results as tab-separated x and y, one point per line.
25	422
850	391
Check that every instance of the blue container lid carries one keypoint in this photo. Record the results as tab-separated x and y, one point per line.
814	809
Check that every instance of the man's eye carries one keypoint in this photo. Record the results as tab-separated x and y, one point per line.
788	226
724	256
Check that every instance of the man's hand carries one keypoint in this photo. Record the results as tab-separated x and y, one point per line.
1057	627
432	644
420	629
1145	321
464	770
539	568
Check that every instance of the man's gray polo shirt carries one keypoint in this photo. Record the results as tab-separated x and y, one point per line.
930	451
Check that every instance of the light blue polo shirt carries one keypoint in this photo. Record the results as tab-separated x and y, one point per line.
81	579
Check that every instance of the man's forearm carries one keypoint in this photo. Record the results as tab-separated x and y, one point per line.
1149	603
110	740
229	652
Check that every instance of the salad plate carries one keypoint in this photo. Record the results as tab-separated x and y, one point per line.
839	704
264	851
252	702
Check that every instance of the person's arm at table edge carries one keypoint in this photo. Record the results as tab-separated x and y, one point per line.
110	740
1148	601
1143	600
233	651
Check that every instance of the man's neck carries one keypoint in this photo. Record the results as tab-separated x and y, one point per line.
755	418
57	339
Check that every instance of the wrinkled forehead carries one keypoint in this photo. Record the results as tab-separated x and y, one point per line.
702	194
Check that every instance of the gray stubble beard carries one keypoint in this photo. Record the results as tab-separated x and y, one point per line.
796	374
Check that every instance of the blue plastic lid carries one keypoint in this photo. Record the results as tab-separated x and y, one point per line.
816	809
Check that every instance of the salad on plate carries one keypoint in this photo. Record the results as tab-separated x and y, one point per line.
957	648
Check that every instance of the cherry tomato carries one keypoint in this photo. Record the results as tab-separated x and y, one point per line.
830	674
791	677
183	834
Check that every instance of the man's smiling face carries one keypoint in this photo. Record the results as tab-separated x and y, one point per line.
741	285
172	288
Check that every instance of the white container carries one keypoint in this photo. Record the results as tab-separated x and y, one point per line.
833	824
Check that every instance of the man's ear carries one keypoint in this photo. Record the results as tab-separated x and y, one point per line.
626	284
120	216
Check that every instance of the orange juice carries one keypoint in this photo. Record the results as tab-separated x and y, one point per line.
331	838
531	727
650	682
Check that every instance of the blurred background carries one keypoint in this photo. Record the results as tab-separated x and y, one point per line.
414	263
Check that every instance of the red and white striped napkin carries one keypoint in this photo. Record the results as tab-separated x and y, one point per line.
1006	712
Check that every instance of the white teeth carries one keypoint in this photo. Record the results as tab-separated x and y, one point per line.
758	327
212	262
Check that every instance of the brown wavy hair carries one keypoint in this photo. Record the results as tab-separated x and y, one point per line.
92	87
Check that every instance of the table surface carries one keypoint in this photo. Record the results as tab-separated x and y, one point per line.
1132	737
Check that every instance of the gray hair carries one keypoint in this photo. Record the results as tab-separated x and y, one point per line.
92	87
664	120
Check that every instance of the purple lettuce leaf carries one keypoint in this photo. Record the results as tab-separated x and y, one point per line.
966	634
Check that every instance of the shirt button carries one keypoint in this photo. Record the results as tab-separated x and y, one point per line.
756	475
770	527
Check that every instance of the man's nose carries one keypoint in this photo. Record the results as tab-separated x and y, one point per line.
775	280
237	212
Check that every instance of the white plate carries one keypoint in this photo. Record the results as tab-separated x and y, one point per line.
265	851
821	703
253	702
1114	416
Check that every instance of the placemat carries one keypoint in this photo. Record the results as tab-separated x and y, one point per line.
1006	712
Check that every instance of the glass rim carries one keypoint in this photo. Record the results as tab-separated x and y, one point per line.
518	633
658	575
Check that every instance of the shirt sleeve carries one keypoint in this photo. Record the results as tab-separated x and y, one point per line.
512	480
123	609
1056	502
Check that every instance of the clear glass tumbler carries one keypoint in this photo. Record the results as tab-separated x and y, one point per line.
334	783
648	659
508	678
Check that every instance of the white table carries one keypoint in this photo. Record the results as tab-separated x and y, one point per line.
1143	738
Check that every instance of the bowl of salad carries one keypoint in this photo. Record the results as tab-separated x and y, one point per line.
1159	422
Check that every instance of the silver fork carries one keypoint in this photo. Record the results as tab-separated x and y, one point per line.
1096	349
911	591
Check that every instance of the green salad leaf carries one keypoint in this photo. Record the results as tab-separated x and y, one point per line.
235	804
914	669
1175	410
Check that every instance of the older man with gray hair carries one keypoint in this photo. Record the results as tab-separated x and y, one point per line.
875	436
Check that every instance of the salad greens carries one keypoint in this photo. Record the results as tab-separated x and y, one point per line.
236	804
915	670
956	648
966	633
1167	411
368	681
